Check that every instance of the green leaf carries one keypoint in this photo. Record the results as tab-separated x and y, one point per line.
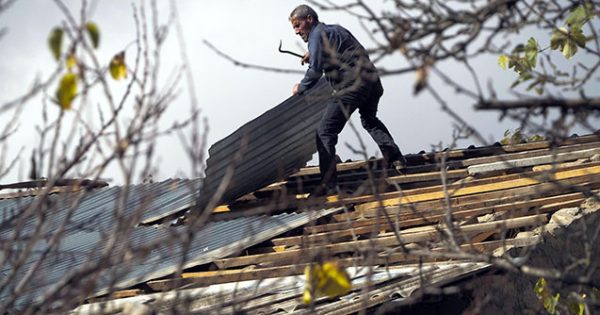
524	77
67	90
55	42
519	48
94	33
541	286
550	303
569	50
575	304
580	15
578	37
531	52
567	40
558	39
535	138
503	60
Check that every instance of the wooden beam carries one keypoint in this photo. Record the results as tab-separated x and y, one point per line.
432	234
530	154
482	237
463	191
422	177
225	276
544	205
116	295
482	199
525	162
454	186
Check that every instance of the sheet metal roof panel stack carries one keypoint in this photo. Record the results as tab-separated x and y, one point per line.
267	148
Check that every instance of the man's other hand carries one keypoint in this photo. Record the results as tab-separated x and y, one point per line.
295	89
305	58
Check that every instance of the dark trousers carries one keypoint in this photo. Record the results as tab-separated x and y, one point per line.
338	111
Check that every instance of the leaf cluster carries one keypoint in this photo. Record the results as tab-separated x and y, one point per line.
518	136
567	39
68	86
573	304
522	60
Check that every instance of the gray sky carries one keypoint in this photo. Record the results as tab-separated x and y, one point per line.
229	96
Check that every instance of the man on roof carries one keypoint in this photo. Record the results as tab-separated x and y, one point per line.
333	51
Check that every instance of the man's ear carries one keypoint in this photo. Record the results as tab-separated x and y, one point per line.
310	19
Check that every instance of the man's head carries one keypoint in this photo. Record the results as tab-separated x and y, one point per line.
303	19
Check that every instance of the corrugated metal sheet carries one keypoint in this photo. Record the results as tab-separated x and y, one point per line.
155	199
94	221
270	147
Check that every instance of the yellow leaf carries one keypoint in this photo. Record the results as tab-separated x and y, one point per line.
575	303
569	50
55	42
118	70
94	33
541	287
327	279
71	62
67	90
503	61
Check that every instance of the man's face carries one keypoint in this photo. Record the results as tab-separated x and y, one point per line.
302	26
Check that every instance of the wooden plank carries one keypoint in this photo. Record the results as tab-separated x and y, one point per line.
482	237
459	184
308	253
422	177
225	276
410	218
530	154
341	167
553	167
544	205
463	191
116	295
454	186
525	162
273	205
476	200
534	195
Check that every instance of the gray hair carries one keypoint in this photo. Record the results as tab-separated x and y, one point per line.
303	11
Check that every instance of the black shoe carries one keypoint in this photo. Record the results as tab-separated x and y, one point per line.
399	164
322	191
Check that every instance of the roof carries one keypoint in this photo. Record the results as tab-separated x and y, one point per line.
250	253
91	218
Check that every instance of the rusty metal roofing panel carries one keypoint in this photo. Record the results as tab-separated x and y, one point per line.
94	220
267	148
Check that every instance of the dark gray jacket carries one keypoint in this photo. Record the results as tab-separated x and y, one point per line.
334	51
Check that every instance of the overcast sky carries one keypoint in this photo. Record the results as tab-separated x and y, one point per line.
229	96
